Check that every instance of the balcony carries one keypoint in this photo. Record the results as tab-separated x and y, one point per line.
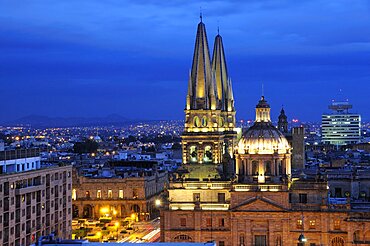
258	187
200	185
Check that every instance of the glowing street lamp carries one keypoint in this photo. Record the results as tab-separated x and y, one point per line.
302	238
158	202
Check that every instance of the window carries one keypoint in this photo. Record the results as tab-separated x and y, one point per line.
196	197
182	222
221	222
120	194
302	198
87	194
221	197
290	198
336	224
221	243
260	240
74	194
241	240
209	222
312	224
134	193
110	194
98	194
299	224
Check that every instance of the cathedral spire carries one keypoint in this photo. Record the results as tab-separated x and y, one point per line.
201	72
220	68
283	121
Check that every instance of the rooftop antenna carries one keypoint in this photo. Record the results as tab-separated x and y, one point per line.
218	27
262	91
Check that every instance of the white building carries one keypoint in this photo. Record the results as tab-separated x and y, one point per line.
341	127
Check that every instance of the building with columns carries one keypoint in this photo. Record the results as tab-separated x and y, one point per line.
262	204
117	197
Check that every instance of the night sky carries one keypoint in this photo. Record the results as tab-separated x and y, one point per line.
132	58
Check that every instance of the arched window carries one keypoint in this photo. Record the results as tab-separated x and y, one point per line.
183	238
337	241
357	236
193	153
207	154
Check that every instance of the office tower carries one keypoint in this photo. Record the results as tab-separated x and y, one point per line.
340	127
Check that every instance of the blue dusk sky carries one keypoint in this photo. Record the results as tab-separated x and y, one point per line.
132	57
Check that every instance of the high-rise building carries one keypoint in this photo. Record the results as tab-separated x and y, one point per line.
35	199
341	127
209	131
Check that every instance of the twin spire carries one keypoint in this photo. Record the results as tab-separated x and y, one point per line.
209	84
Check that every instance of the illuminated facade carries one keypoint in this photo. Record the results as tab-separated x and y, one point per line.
209	113
117	197
262	205
263	154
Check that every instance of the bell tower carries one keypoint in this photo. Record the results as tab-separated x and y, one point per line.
209	112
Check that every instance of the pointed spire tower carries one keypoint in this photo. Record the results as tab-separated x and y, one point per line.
206	117
223	83
202	90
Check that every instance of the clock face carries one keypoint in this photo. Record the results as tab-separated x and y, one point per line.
196	121
204	121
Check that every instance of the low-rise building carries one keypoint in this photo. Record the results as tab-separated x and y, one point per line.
118	196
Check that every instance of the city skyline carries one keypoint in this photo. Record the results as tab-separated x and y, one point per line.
132	58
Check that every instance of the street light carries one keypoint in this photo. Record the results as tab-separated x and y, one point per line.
302	238
158	202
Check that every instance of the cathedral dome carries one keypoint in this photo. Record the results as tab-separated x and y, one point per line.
263	137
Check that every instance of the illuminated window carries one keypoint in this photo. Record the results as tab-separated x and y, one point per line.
110	194
336	224
87	194
120	194
182	222
312	224
74	194
134	193
98	194
299	224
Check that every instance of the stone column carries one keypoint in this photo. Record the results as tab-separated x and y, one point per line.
237	165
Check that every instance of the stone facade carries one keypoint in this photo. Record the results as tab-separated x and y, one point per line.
246	214
117	197
35	203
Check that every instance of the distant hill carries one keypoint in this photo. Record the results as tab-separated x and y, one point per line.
46	121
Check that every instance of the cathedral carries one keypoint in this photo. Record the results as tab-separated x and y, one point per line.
239	190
